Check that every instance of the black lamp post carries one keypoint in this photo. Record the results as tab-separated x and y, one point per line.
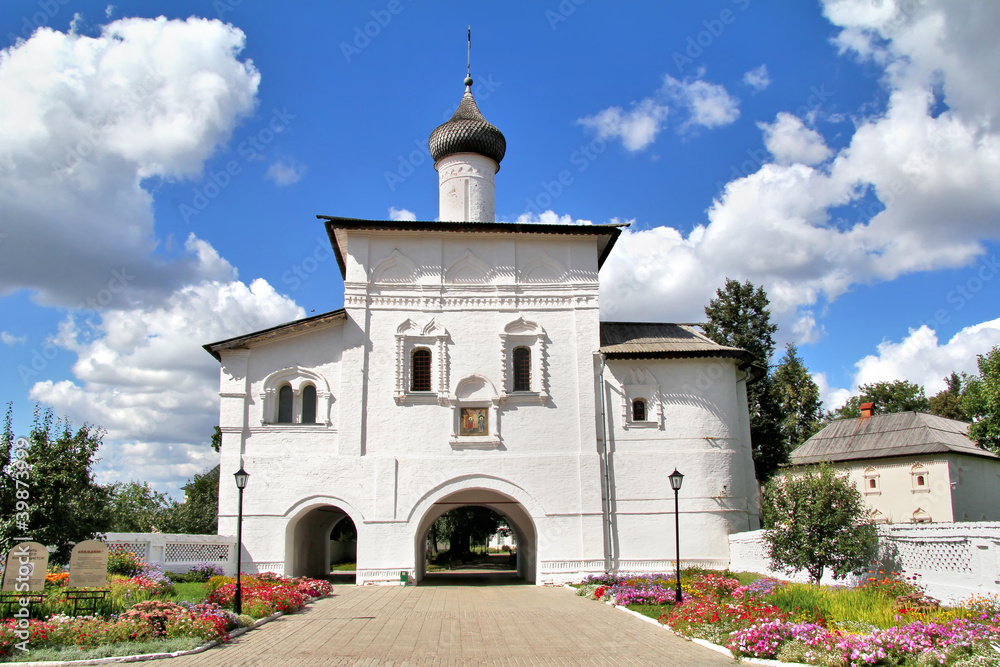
675	483
241	483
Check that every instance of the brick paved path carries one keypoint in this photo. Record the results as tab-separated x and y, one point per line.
456	625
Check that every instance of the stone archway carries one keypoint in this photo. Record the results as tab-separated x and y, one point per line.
307	539
514	512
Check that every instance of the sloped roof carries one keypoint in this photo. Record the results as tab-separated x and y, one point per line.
656	340
336	229
244	341
882	436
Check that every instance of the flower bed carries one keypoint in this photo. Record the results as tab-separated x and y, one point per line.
887	621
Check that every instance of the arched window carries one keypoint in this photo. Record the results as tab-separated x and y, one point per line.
420	370
638	410
522	369
285	405
872	483
920	480
308	404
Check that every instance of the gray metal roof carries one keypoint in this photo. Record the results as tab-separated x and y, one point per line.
467	132
244	341
645	340
881	436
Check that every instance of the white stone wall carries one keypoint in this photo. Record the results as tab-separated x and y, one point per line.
954	560
466	189
178	553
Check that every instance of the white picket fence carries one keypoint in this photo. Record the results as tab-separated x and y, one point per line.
178	553
953	560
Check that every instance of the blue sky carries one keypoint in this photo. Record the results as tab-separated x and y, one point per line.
159	178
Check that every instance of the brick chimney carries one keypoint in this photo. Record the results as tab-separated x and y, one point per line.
866	410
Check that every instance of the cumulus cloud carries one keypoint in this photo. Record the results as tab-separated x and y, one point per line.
85	121
552	218
757	78
401	214
707	104
636	128
11	339
286	172
142	374
789	140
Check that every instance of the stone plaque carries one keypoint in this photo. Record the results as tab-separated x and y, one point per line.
26	563
88	565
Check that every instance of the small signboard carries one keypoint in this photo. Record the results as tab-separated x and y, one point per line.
26	563
88	565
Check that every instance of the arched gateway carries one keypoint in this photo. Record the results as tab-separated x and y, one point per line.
469	366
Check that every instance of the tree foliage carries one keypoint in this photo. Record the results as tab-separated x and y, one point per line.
799	400
888	397
817	520
464	526
740	316
981	401
948	401
137	508
62	502
198	514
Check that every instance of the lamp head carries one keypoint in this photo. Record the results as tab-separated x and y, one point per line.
675	480
241	478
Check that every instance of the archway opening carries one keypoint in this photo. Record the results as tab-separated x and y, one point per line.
320	541
476	537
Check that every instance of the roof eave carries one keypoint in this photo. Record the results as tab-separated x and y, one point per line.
244	340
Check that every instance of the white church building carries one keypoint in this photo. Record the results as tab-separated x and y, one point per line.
469	366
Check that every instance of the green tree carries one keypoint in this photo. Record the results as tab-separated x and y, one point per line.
895	396
799	399
981	401
137	508
199	513
63	503
817	520
740	316
948	401
464	526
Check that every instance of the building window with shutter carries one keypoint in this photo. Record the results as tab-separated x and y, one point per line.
638	410
522	369
420	370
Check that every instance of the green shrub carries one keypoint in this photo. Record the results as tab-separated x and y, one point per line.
124	563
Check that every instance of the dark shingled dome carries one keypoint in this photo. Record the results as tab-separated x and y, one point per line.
467	132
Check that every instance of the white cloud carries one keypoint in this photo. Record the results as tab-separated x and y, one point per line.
142	374
109	11
552	218
637	128
832	397
11	339
789	140
401	214
85	121
708	104
757	78
286	172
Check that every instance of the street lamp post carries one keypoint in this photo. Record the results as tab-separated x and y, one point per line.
675	483
241	483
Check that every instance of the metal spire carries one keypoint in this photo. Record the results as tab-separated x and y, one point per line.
468	64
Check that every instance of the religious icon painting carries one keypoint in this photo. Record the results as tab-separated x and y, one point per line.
475	421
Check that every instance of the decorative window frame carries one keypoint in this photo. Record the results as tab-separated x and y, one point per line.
870	474
475	391
410	336
639	383
920	515
527	334
920	470
297	378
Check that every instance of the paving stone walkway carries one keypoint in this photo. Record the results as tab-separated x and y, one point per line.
456	625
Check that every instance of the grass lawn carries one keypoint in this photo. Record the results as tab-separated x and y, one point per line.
344	567
190	592
107	651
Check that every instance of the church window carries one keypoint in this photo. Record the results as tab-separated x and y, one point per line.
420	370
309	404
871	481
872	484
285	399
920	477
920	480
522	369
638	410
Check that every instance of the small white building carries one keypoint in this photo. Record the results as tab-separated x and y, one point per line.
910	467
469	367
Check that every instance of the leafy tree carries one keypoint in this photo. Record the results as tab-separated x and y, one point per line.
948	401
740	316
63	503
137	508
217	439
982	401
817	520
464	526
895	396
798	396
199	513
